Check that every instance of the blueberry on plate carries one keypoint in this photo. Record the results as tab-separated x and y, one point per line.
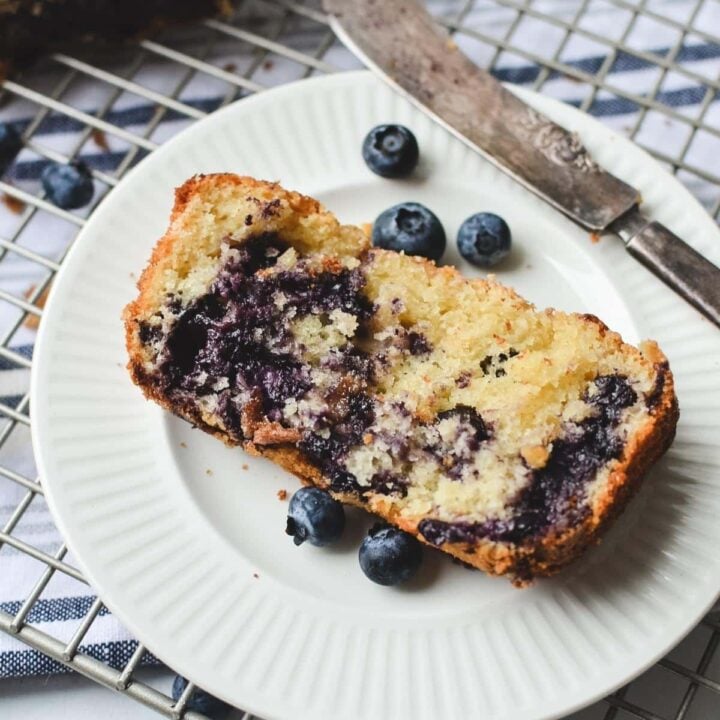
200	701
389	556
68	186
484	239
10	145
390	151
315	516
410	228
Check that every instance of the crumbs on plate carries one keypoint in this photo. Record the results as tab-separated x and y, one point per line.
32	321
13	204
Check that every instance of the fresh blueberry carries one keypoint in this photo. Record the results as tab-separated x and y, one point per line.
10	144
68	186
200	701
390	151
484	239
389	556
315	516
410	228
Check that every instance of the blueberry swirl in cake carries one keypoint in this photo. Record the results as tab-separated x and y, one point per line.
506	436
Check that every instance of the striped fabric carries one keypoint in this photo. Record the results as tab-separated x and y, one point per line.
65	601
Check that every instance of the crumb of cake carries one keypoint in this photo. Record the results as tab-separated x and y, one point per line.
251	416
245	466
230	67
275	434
594	237
535	455
100	139
282	494
32	321
208	472
183	444
13	204
255	575
268	65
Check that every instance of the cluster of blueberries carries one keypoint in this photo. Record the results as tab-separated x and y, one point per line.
388	556
391	151
66	186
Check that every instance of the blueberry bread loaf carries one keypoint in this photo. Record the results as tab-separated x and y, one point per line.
506	436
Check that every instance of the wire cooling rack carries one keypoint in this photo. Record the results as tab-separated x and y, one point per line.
661	95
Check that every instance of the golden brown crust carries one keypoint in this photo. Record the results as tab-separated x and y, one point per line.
553	552
522	562
141	306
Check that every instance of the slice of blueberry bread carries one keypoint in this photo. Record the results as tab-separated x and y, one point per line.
506	436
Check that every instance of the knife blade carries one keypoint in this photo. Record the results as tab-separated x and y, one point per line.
400	41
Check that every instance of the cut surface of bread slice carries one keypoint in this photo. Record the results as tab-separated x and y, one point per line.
506	436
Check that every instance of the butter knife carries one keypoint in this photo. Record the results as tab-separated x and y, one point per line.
401	42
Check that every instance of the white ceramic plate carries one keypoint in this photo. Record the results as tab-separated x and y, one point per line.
183	538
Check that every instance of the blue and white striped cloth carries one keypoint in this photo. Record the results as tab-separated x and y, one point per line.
65	601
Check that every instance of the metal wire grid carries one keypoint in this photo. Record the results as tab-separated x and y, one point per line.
297	34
